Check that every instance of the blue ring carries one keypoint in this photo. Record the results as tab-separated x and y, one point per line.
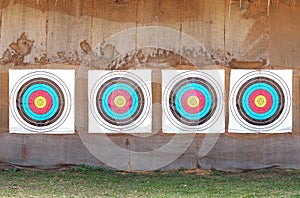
271	111
50	91
200	88
109	111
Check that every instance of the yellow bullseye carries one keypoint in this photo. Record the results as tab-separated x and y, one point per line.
40	102
260	101
120	101
193	101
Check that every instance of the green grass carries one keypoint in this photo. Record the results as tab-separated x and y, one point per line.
89	182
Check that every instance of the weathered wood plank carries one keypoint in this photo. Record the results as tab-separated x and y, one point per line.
246	30
65	33
207	27
18	19
105	39
284	35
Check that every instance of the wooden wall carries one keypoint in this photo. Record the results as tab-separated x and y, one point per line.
259	34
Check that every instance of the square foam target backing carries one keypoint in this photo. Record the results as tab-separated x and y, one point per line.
193	101
41	101
120	101
260	101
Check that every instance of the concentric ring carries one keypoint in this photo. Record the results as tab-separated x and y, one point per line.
194	101
40	101
40	87
260	101
120	88
201	91
121	101
267	89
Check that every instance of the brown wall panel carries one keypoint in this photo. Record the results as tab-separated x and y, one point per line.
284	35
236	34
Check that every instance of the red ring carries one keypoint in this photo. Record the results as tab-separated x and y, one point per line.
35	109
112	105
264	93
185	105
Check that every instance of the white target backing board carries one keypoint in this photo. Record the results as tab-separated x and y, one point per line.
193	101
260	101
120	101
41	101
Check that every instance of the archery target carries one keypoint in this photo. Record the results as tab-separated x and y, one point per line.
193	101
120	101
41	101
260	101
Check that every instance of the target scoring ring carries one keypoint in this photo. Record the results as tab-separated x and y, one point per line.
121	101
195	85
270	88
25	104
194	100
40	101
260	100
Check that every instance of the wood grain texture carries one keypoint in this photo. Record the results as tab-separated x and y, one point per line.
65	33
284	36
237	34
207	27
246	30
17	19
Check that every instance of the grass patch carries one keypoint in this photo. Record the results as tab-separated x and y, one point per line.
95	182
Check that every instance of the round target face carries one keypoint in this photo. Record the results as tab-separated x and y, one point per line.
40	101
193	101
260	100
120	101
